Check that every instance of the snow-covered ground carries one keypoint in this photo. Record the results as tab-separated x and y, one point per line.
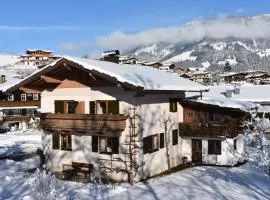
19	142
244	182
204	182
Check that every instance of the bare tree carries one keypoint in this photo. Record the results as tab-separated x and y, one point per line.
126	162
168	124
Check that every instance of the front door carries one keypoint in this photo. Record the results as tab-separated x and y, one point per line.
197	151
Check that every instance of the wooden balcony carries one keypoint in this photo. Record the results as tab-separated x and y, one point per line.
83	123
19	103
204	130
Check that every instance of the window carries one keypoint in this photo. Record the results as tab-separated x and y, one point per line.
35	97
105	145
214	147
23	97
66	143
71	107
104	107
174	137
10	97
62	142
150	144
101	107
161	140
173	105
214	116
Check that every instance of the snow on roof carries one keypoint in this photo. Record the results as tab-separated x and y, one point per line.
228	74
248	92
252	93
33	50
228	103
137	75
141	76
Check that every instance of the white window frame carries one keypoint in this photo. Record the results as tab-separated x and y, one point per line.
35	97
23	96
10	97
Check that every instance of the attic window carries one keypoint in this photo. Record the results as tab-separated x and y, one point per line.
23	97
10	97
173	105
35	97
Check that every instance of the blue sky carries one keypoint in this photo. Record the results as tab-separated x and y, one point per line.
72	26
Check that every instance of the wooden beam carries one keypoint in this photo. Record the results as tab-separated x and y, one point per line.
92	76
30	90
48	79
66	65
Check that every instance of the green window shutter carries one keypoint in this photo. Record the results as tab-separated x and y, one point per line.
113	107
55	141
115	145
147	144
161	140
58	106
92	107
94	143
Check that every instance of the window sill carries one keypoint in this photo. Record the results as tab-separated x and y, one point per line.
65	149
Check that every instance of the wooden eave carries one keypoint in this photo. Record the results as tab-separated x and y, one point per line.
47	74
204	106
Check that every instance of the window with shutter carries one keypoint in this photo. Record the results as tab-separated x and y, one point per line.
92	107
71	107
58	106
173	105
55	141
94	143
66	142
161	140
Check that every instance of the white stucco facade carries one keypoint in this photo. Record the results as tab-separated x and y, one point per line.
151	111
229	155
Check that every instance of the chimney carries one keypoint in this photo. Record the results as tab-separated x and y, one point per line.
237	90
2	78
229	93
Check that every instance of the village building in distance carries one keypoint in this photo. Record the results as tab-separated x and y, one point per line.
36	57
127	122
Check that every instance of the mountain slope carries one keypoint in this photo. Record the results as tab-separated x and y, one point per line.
246	51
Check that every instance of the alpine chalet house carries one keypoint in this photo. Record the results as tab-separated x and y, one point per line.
212	130
102	119
36	57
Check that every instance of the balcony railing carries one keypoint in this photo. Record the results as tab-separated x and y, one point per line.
19	103
83	122
206	129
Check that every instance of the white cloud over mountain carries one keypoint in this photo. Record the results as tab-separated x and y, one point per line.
238	27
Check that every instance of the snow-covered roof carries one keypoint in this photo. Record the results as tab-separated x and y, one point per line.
137	75
228	103
141	76
248	92
228	74
33	50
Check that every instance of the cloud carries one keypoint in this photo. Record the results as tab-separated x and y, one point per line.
244	28
240	11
